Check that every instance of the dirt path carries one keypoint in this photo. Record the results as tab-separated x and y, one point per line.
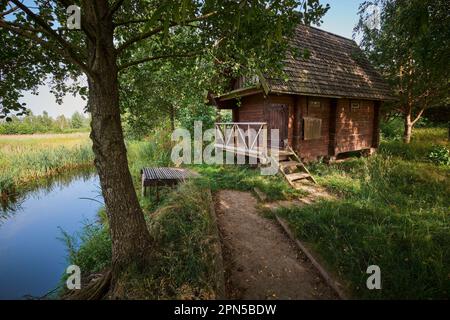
261	262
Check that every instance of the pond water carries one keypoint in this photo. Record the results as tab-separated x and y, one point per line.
32	255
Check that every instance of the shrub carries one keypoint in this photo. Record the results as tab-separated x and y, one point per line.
392	129
154	151
440	155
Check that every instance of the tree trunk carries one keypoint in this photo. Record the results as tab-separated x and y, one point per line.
129	234
172	117
408	129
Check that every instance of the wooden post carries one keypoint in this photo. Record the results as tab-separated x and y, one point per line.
265	143
142	184
332	128
291	119
235	114
297	125
376	125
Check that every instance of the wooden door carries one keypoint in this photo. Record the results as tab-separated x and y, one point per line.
277	118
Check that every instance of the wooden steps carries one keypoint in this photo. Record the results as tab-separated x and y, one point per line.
297	176
288	163
293	169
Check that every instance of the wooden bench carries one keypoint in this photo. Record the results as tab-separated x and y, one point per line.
155	177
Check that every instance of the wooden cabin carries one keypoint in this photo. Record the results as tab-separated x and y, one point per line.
329	104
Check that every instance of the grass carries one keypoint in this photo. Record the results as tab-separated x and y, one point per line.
393	211
13	143
244	178
185	249
422	143
152	151
25	159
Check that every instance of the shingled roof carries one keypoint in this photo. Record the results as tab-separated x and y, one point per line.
336	67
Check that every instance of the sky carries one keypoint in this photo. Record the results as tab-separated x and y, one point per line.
340	19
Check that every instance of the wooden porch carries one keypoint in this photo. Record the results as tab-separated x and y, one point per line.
250	139
243	138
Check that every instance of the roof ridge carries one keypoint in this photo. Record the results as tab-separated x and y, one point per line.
330	33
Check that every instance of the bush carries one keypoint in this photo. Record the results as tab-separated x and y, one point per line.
392	129
155	150
440	155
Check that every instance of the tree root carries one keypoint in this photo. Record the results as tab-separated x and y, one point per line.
96	290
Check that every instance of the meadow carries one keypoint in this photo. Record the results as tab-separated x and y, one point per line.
25	159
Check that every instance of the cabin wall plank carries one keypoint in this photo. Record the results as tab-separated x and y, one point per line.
354	127
312	149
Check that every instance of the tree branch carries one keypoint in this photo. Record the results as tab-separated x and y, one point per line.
159	29
3	14
89	33
153	58
116	6
23	27
65	3
46	28
68	49
418	116
124	23
27	33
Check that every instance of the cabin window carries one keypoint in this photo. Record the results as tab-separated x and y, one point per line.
355	106
312	128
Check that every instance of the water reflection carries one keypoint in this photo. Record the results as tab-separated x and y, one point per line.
32	258
9	204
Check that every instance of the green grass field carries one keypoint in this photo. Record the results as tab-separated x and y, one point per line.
393	211
27	158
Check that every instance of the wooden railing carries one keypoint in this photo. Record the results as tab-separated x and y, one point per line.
247	138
